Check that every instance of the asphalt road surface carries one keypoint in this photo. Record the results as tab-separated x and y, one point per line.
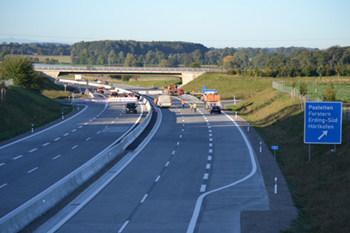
196	175
31	165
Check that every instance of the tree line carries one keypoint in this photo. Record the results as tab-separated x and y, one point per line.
290	61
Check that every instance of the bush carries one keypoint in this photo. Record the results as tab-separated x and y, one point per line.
231	72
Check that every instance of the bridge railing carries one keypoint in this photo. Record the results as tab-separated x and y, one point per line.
115	68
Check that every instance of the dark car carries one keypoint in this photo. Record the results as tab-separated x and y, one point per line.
214	109
131	107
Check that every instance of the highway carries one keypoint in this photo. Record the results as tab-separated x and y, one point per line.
31	165
196	174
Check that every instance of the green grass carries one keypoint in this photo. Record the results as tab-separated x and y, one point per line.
25	107
319	188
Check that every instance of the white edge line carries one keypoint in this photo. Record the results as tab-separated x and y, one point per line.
44	129
192	224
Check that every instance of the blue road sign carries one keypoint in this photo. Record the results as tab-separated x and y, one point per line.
274	147
323	122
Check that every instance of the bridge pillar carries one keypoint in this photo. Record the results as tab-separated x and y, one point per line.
189	76
51	75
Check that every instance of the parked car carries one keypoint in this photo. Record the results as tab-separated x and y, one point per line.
180	92
131	107
214	109
105	82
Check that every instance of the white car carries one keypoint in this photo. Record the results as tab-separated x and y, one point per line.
99	82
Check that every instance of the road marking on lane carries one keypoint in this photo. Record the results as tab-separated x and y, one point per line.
123	227
183	124
56	139
208	123
144	198
86	123
3	185
209	130
208	166
203	187
180	136
173	152
90	120
209	158
210	144
167	163
66	134
210	139
178	143
56	157
157	178
74	130
106	126
33	150
88	139
46	144
2	164
183	130
98	132
210	135
74	147
80	127
209	127
17	157
32	170
210	151
194	218
206	175
94	118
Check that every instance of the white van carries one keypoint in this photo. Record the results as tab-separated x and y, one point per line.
164	101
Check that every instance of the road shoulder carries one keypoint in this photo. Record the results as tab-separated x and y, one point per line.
282	209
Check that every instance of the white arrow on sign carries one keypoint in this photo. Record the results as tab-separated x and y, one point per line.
324	133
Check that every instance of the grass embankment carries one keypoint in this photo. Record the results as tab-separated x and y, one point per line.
229	86
319	188
23	107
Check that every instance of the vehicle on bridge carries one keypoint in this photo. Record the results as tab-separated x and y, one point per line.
131	107
164	101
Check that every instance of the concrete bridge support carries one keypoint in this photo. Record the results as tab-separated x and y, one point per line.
189	76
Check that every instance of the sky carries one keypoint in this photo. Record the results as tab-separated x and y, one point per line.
213	23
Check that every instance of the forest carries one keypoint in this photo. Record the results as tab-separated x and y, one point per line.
272	62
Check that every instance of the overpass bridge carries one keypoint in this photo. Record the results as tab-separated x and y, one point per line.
186	74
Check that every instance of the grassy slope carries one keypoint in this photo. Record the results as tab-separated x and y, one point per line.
319	188
25	107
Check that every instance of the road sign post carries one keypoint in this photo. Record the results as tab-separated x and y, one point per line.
274	148
322	123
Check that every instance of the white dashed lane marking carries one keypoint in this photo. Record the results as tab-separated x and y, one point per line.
3	185
46	144
2	164
56	139
66	134
33	170
208	166
56	157
203	187
206	175
144	198
33	150
74	147
17	157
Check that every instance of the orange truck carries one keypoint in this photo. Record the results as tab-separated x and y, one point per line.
172	89
212	100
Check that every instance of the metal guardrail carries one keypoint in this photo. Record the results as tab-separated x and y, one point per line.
293	91
105	68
